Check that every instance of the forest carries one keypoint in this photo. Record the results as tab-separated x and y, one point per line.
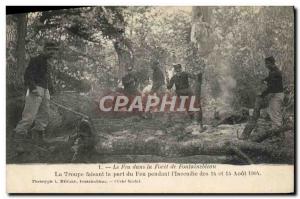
97	45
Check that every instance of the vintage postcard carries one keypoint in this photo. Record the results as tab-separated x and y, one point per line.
150	99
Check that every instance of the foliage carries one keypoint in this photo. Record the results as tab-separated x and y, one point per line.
242	37
245	36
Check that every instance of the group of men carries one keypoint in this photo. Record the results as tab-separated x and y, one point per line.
181	81
38	83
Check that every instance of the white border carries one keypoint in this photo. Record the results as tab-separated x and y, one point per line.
153	2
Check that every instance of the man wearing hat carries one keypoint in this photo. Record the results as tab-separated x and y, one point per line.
274	91
181	81
36	111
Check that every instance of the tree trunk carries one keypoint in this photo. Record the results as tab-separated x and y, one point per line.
11	35
122	44
16	33
20	49
201	32
247	151
125	55
202	44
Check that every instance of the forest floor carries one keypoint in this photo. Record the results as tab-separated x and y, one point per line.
133	139
133	130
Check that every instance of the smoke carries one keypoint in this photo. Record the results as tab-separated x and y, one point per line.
226	82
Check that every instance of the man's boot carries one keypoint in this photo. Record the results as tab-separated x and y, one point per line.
247	130
253	120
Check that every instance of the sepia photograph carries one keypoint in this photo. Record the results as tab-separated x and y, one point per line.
189	85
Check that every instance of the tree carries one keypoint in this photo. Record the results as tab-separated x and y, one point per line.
16	53
20	50
202	30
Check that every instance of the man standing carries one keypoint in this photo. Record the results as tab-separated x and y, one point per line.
275	92
130	82
181	81
182	85
38	83
158	79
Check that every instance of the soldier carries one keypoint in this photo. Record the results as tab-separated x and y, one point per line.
274	93
158	79
181	81
130	82
38	83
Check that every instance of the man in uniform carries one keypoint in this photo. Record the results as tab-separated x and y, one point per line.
38	82
181	81
182	85
130	82
274	93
